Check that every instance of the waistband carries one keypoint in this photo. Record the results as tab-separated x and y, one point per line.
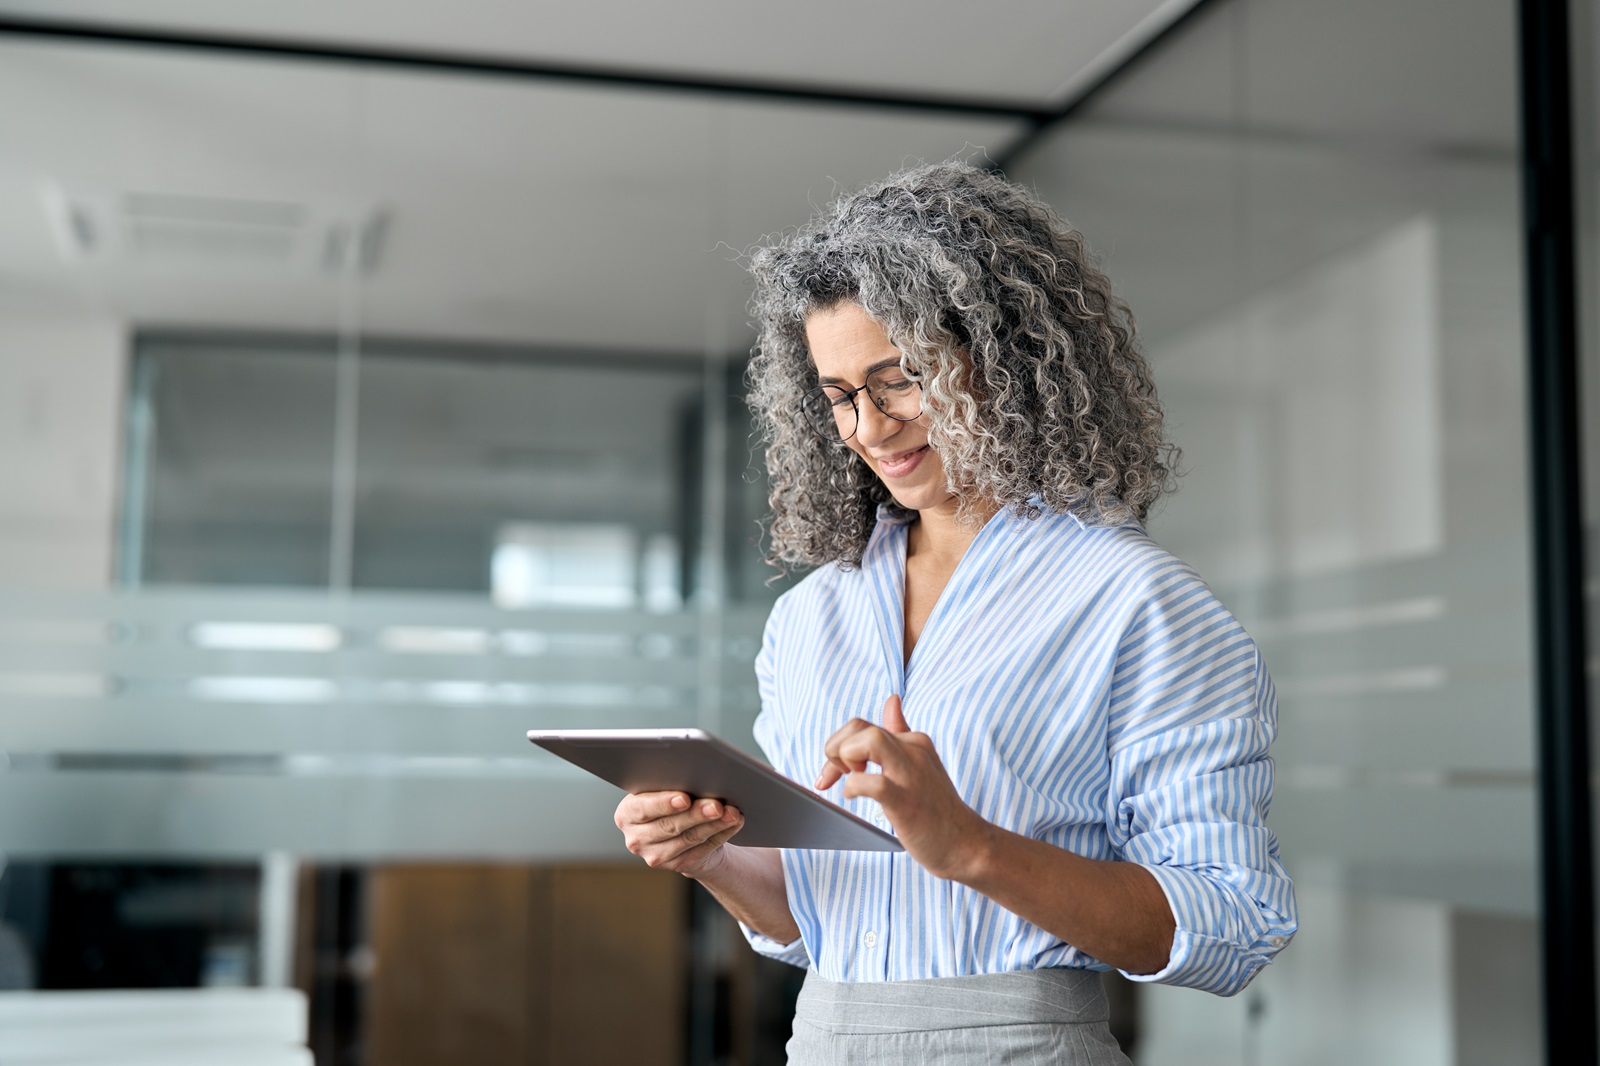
1022	997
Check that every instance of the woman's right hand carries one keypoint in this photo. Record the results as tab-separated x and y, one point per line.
671	831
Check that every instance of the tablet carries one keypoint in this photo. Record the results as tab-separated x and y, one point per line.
778	813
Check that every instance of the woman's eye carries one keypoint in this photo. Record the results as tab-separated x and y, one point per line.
900	385
841	401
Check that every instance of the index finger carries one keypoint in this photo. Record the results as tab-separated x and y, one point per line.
648	806
833	767
850	752
871	745
830	747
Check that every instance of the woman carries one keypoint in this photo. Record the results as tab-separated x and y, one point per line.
1064	728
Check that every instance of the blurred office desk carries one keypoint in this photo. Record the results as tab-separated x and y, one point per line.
176	1027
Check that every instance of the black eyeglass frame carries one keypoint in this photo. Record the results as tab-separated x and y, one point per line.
823	392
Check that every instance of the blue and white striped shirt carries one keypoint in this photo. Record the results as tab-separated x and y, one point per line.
1083	687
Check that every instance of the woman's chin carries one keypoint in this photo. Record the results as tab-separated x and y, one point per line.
920	498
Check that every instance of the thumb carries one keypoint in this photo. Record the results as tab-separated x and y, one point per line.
894	720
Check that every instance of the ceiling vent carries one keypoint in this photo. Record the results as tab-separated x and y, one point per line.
185	233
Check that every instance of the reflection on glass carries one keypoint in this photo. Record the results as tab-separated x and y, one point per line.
548	565
568	482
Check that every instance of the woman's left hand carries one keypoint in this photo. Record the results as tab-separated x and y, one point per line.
937	829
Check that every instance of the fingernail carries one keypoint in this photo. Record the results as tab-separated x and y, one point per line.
818	785
680	802
709	810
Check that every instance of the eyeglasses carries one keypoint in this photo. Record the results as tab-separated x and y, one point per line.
832	411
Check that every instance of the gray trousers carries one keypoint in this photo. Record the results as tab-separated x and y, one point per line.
1018	1019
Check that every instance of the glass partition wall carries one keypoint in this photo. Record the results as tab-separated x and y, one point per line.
1314	213
354	421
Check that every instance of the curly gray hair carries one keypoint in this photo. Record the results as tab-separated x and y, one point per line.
1034	387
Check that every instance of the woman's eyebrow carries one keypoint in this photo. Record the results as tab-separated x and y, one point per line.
871	370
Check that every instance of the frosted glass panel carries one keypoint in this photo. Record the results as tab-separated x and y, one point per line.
210	722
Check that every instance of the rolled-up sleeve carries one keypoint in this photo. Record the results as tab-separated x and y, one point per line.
767	735
794	953
1192	716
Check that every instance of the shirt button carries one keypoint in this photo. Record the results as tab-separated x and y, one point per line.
1277	941
871	939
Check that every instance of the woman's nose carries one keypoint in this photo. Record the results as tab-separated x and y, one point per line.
872	424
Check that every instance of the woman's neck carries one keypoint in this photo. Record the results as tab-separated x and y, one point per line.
941	535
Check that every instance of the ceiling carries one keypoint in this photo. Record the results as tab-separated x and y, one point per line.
539	211
1009	50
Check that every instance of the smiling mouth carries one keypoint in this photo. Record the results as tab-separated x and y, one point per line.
902	464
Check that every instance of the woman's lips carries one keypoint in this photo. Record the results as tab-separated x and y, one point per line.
902	464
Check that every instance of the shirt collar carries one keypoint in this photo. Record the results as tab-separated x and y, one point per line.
888	517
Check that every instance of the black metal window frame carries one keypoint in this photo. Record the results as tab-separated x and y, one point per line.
1556	543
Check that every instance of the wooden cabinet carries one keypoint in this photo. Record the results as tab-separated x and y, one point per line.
525	965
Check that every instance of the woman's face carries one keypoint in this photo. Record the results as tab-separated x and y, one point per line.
846	345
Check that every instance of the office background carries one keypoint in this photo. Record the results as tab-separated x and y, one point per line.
370	393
